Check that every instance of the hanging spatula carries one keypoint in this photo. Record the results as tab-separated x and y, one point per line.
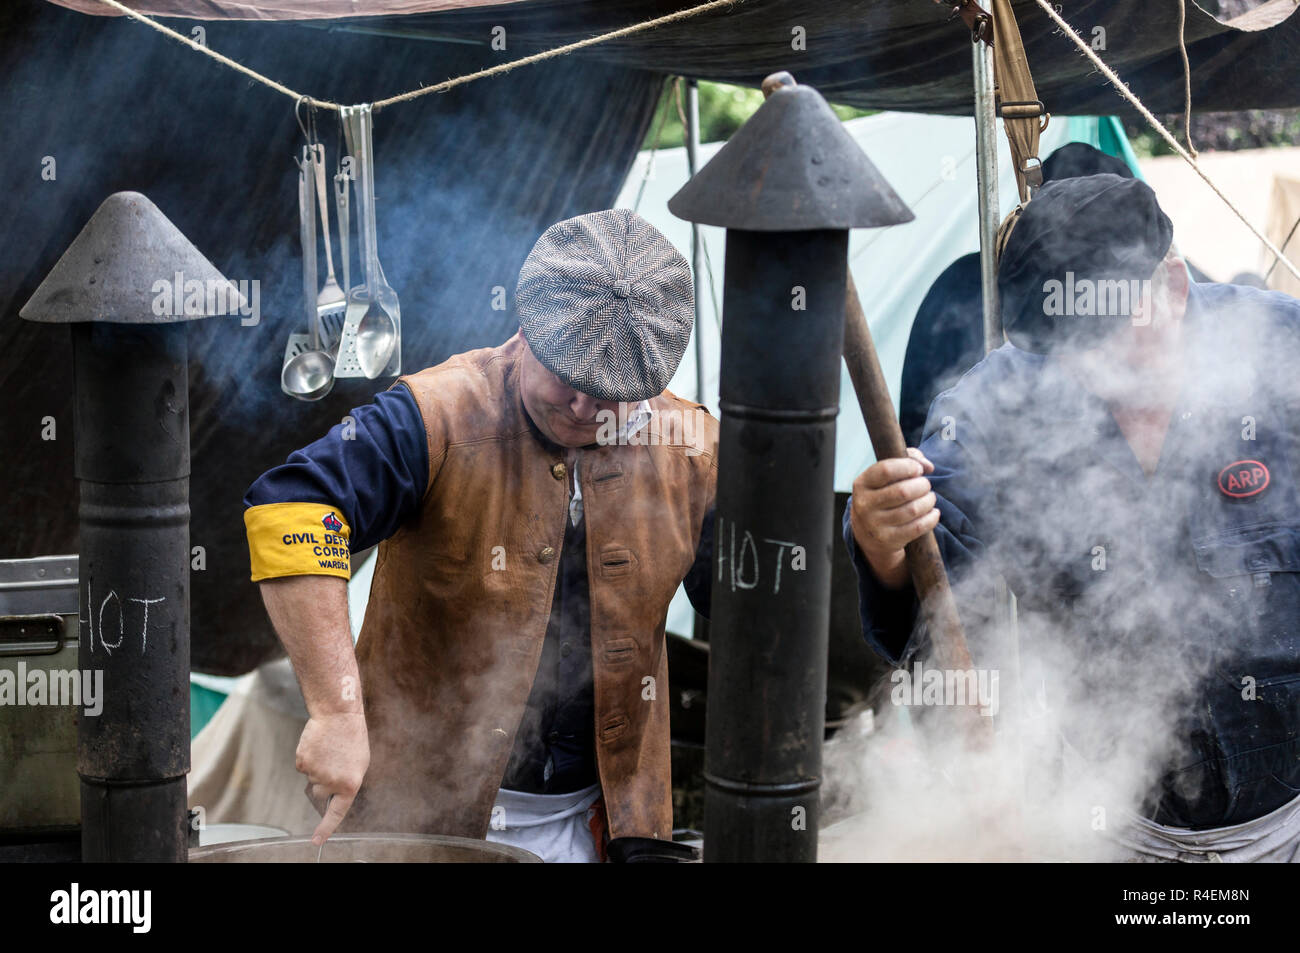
331	300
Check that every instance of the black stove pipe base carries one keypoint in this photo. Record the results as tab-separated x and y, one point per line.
134	823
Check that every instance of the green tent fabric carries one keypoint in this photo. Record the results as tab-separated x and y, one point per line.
204	703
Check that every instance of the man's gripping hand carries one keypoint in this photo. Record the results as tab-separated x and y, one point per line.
892	505
334	753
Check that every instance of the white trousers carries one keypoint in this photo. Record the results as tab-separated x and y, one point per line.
1273	838
555	827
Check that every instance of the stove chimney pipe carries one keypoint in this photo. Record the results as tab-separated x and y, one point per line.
787	187
126	286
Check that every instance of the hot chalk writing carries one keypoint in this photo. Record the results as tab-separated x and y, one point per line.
743	564
112	604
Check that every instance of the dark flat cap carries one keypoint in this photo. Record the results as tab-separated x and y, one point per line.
607	304
1075	159
1073	268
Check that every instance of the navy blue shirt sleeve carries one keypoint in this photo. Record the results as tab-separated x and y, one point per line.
888	615
699	581
374	469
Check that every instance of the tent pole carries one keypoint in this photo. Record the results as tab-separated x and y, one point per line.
1006	640
986	177
697	250
700	631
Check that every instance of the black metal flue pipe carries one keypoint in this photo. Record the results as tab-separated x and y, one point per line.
783	322
132	468
787	187
127	286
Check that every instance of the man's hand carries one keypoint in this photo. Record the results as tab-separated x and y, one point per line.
892	505
334	753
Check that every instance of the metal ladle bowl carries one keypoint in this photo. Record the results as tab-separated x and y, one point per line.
309	375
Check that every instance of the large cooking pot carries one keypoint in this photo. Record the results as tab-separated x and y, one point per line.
365	849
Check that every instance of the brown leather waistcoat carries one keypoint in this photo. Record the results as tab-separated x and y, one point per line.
462	592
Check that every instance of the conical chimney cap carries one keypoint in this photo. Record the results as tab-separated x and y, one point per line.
791	167
113	269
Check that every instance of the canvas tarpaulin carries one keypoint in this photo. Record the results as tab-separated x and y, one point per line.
880	54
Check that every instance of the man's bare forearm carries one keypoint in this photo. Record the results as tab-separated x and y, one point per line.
310	615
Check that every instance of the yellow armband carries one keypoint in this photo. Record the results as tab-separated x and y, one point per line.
296	539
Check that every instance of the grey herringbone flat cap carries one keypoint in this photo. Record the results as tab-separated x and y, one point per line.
606	303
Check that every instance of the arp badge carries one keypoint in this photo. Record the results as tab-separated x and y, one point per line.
1243	479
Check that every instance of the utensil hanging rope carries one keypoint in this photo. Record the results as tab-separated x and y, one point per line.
423	90
1187	77
1155	124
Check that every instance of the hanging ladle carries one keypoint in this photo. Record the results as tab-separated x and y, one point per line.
308	375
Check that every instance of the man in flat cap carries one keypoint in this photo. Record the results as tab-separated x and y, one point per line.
1128	463
535	505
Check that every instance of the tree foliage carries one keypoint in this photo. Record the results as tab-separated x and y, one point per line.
723	109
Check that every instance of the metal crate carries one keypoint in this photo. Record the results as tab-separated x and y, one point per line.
39	790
